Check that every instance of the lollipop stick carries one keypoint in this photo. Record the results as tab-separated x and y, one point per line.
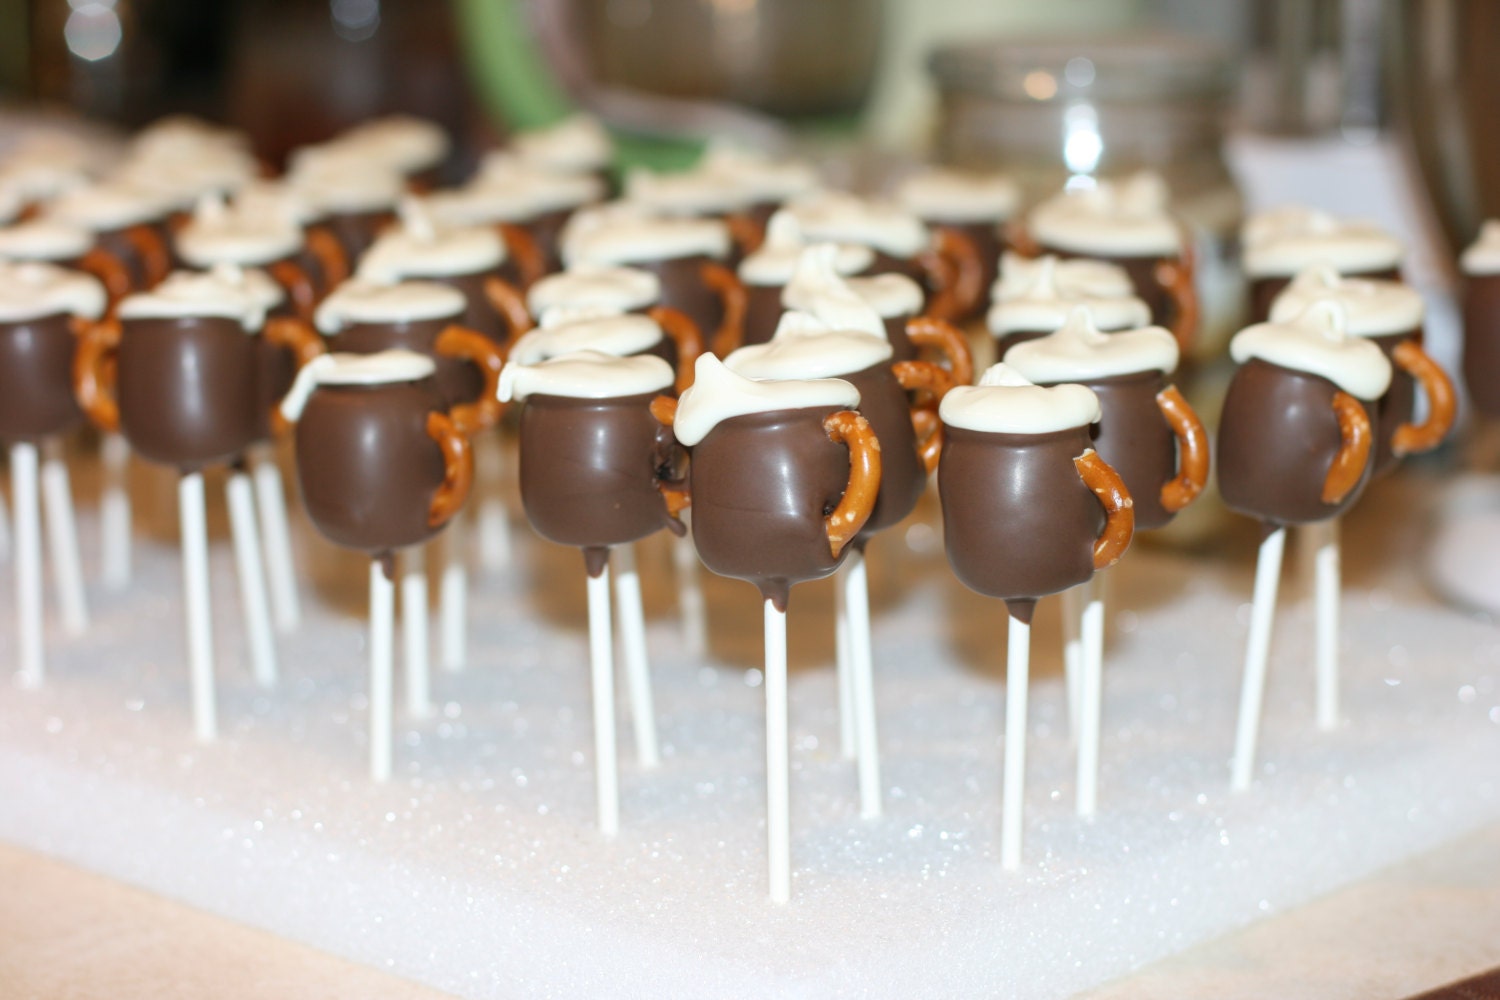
1090	696
252	577
194	526
5	543
1262	615
633	644
848	735
453	597
62	539
778	791
602	669
1017	678
114	512
23	487
1072	610
414	631
862	680
1327	583
382	643
690	603
281	567
494	523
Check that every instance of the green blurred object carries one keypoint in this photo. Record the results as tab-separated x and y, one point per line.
509	72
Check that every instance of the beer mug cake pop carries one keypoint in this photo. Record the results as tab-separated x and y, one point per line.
127	221
1029	510
1279	243
768	270
1480	264
783	476
1303	380
594	461
1035	296
978	205
41	307
1152	438
352	197
383	463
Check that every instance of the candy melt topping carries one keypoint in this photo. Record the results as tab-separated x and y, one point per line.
838	217
564	332
109	205
818	289
1483	255
595	286
1006	402
719	394
1127	218
1372	308
775	261
1317	341
44	239
577	143
938	194
1078	352
221	234
628	234
380	368
1040	294
1281	242
224	292
807	347
585	375
419	249
32	290
362	301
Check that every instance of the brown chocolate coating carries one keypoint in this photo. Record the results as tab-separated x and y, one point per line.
479	315
1481	365
1263	291
763	311
460	380
761	485
36	378
912	267
116	242
1018	521
367	466
188	389
1136	440
1397	406
355	231
989	247
1142	272
1278	436
903	477
682	288
546	230
590	468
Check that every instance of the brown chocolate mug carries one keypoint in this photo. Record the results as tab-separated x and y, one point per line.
311	273
1264	291
36	377
1481	364
910	443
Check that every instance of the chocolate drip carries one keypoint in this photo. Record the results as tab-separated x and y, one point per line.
595	560
1481	364
36	378
1021	609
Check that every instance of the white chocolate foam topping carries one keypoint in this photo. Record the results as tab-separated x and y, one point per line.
819	290
775	260
174	134
1281	242
44	239
806	347
697	191
359	300
1317	342
380	368
276	198
224	292
1372	308
31	290
403	143
1006	402
182	177
1125	218
44	164
719	394
332	181
938	194
1483	255
109	205
585	375
839	217
624	233
1040	294
762	178
507	188
577	144
419	249
595	286
565	332
248	236
890	295
1078	352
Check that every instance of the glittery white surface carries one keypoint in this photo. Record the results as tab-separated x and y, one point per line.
478	870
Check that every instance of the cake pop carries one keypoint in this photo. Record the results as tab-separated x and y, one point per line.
594	465
1152	438
577	144
383	463
1279	243
1034	296
1029	509
1306	381
1480	264
354	198
125	220
783	476
766	272
182	166
41	308
408	147
978	205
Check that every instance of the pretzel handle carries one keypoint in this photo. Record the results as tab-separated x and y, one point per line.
329	253
954	273
458	468
863	488
683	332
110	270
1119	509
734	300
520	244
744	232
1442	404
298	284
931	378
155	260
94	372
677	495
945	338
460	342
1349	463
1019	239
1178	277
295	335
508	300
1192	450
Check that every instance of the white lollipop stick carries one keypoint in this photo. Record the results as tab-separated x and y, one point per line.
194	525
778	790
633	645
414	632
1072	611
382	653
602	671
1017	679
62	540
862	680
281	567
848	731
1327	584
453	598
5	543
1091	693
1257	651
114	512
23	487
252	577
494	521
690	603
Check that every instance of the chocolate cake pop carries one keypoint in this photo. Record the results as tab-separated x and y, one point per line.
783	476
1029	509
594	465
409	146
1480	264
1277	244
354	198
577	144
126	220
383	463
1034	296
183	164
766	272
41	307
1127	223
1307	381
978	205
